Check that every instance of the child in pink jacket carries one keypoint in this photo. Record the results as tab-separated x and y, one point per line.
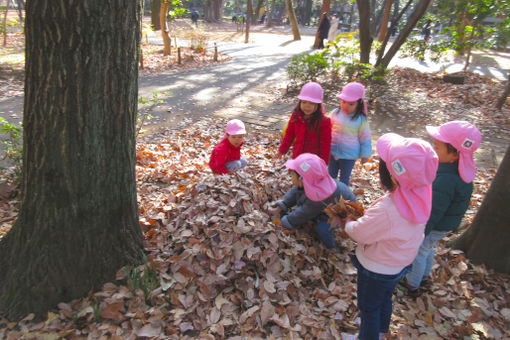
391	231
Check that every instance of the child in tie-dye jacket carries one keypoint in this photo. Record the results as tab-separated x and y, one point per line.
350	136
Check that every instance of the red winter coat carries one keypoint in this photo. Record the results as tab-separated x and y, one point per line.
223	153
307	140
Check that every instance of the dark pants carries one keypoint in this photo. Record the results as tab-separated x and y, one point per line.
344	166
321	43
375	303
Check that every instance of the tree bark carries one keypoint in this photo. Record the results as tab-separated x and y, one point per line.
270	15
385	20
293	20
167	43
5	22
505	94
394	24
487	240
365	38
326	4
155	8
418	12
249	11
78	220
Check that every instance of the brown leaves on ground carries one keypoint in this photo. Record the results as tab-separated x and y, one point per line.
224	270
155	62
345	209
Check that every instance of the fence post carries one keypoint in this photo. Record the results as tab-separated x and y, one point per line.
215	52
179	55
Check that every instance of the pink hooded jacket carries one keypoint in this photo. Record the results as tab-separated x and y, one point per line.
387	242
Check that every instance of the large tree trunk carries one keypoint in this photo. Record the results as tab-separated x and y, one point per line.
418	12
293	20
505	94
325	9
78	220
167	43
365	38
487	240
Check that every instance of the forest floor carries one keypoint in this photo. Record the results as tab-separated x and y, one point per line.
225	269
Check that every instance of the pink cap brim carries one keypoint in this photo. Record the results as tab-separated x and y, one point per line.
434	132
310	99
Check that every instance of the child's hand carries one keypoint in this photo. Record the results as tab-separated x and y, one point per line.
337	222
363	160
278	155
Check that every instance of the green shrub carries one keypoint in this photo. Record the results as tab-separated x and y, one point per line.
12	140
308	67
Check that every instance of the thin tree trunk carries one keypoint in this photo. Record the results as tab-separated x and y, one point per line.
487	240
5	22
418	12
155	10
270	16
394	24
325	9
167	43
385	20
293	20
78	220
505	94
249	11
365	37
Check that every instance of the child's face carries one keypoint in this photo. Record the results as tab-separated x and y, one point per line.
308	107
295	179
348	107
235	140
442	152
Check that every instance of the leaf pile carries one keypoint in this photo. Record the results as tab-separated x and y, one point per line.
345	209
222	269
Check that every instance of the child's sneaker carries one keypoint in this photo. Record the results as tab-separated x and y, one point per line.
426	283
408	289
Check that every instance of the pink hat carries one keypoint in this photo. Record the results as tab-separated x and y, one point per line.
464	137
312	92
235	127
413	163
317	182
353	92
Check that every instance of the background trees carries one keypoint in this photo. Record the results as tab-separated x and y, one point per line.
78	220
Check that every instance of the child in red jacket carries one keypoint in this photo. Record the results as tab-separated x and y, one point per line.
226	156
309	129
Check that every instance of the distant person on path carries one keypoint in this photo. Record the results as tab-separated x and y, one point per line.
312	191
351	137
194	17
333	29
308	129
226	156
454	143
426	30
390	232
323	29
262	19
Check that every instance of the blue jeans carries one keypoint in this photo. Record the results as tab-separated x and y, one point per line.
326	234
236	165
422	264
344	166
375	301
